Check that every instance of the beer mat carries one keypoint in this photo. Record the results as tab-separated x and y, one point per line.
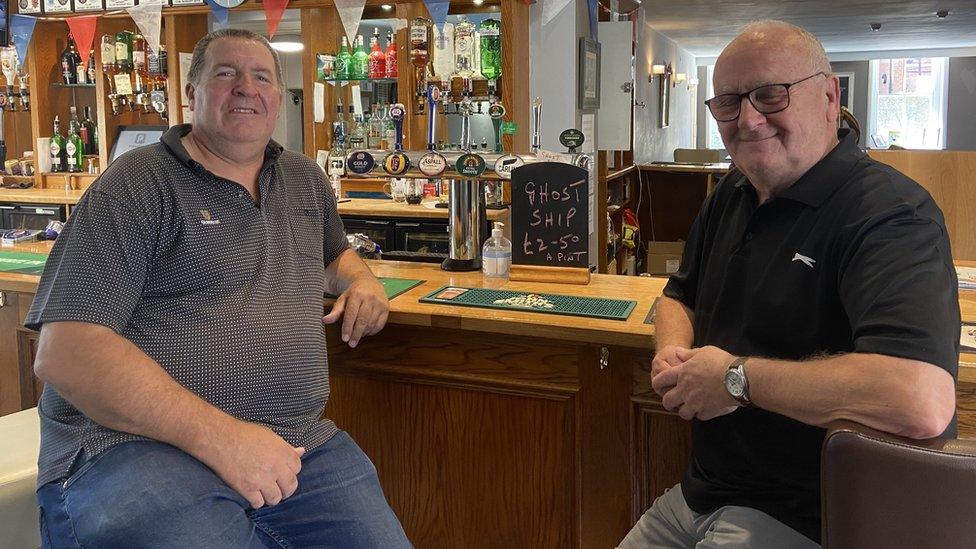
591	307
967	338
393	286
22	262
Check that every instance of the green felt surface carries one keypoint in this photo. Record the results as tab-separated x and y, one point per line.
22	262
393	286
590	307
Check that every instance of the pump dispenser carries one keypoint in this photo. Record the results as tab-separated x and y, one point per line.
496	255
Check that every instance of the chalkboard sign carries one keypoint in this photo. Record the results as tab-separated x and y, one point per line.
550	209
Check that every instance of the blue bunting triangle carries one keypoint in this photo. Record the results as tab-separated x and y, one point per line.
438	11
21	29
219	12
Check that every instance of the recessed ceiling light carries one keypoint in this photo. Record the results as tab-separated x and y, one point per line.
942	14
288	46
386	7
478	2
875	26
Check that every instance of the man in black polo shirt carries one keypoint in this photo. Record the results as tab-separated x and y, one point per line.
182	345
816	285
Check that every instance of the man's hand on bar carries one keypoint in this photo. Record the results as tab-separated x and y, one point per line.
363	307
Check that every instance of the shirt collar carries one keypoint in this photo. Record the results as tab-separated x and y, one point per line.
172	140
814	187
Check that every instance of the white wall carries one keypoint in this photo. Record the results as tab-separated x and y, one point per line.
288	130
652	143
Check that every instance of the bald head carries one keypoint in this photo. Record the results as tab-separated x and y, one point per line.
789	39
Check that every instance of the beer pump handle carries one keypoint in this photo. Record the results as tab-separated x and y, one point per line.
433	95
396	113
497	124
536	123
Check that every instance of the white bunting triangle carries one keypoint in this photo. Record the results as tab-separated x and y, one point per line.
148	17
350	13
551	8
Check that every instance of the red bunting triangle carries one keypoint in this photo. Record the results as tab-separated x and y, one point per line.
83	30
273	10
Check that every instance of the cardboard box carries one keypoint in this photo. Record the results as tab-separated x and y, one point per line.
663	258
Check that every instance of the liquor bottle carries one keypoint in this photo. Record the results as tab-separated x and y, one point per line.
392	70
92	75
377	59
74	146
81	69
375	138
139	54
464	48
123	51
360	61
357	138
108	54
156	64
8	62
89	132
343	62
420	42
444	52
59	157
491	49
69	62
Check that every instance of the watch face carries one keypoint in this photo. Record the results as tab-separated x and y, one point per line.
734	384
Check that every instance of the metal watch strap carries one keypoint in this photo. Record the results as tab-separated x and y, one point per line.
739	365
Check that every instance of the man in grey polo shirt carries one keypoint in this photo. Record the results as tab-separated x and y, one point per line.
182	345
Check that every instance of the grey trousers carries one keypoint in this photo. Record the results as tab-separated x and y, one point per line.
670	523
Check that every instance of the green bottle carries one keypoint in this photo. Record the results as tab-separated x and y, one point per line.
123	51
75	145
491	48
343	62
360	61
59	158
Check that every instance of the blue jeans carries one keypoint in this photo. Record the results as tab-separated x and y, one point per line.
150	494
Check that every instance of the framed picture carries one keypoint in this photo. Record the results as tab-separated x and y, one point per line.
846	89
588	93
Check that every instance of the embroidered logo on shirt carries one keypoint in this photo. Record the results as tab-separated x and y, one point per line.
208	219
806	260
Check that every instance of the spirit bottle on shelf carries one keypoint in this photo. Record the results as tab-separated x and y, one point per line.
139	54
89	133
74	146
8	64
464	48
69	62
343	62
123	51
24	90
491	50
81	69
375	137
109	69
391	56
157	69
360	61
444	54
59	158
377	59
420	56
92	75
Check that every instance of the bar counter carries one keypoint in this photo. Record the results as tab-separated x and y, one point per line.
494	428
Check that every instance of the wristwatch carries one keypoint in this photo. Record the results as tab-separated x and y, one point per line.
736	382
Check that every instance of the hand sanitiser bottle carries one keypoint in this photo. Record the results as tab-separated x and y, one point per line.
496	256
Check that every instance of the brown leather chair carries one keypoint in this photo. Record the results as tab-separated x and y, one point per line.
883	491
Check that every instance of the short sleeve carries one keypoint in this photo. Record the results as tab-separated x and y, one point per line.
899	289
97	268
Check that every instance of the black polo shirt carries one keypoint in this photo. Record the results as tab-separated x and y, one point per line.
223	292
853	257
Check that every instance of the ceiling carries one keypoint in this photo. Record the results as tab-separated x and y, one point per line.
704	27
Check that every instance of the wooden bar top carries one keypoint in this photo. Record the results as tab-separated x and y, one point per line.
719	167
616	174
41	196
382	207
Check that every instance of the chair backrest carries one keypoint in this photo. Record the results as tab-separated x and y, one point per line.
882	491
700	155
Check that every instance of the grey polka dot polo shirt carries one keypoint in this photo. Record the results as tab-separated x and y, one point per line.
225	294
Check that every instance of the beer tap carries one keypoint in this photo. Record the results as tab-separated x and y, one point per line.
433	163
536	123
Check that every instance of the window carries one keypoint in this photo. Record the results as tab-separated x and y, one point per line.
714	140
907	103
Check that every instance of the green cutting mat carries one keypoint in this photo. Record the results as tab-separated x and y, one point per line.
591	307
393	286
22	262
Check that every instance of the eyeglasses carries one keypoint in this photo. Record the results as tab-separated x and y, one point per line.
768	99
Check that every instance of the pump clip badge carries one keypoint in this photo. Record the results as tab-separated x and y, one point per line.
360	162
496	111
505	164
432	164
470	165
396	163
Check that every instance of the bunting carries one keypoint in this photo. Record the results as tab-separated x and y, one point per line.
273	10
148	17
219	12
350	13
21	29
82	28
551	8
438	11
